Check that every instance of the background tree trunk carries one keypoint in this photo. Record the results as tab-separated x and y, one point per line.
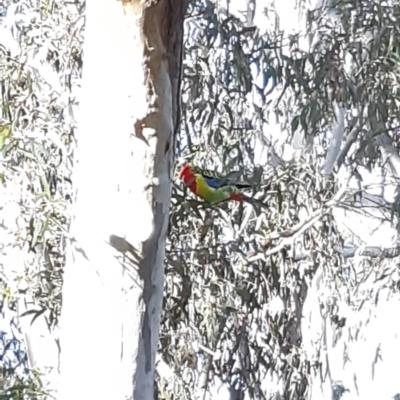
125	151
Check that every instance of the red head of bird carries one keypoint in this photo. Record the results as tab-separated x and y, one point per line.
187	175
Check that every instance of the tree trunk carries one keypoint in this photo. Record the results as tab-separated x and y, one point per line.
129	114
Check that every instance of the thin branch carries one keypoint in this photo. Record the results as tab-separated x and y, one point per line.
291	234
206	350
351	139
352	251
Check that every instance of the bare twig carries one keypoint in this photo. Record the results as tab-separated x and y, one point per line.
291	234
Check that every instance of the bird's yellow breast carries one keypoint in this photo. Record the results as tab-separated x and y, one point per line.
202	187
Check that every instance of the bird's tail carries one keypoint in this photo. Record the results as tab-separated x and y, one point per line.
242	185
252	200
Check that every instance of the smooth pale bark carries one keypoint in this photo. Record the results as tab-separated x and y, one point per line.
113	285
336	138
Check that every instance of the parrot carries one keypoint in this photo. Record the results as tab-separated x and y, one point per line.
213	187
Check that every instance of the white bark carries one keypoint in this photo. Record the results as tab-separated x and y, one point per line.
114	275
336	139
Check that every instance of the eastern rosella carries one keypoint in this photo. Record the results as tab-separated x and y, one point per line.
212	187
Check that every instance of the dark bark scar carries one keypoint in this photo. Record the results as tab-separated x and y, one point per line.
167	147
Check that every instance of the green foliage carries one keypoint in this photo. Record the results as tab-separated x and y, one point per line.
236	276
5	132
227	265
40	67
22	388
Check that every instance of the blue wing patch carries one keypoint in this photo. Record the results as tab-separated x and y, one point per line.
212	182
